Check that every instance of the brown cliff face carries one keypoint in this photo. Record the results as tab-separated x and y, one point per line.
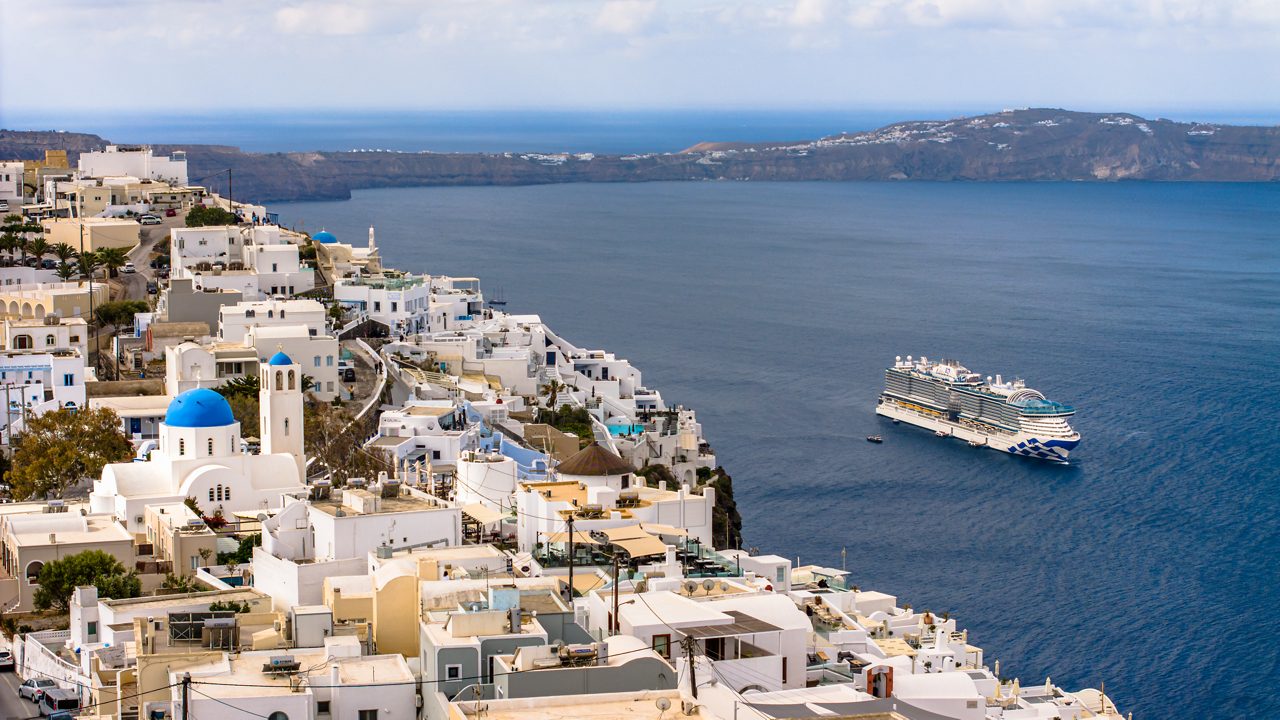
1020	145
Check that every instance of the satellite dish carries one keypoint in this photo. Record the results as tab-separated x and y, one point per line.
690	587
662	704
724	586
708	584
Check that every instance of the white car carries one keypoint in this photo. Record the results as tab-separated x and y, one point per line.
128	268
28	689
149	220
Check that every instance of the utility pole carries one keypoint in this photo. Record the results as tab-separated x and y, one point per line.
613	626
689	658
570	522
186	689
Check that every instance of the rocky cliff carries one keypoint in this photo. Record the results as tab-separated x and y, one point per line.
1036	144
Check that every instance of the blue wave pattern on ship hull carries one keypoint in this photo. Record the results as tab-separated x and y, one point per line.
1044	449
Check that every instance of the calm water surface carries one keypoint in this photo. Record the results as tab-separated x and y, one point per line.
1149	563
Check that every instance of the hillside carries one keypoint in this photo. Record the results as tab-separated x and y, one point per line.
1018	145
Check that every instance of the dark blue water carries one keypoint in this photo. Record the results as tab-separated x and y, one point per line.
465	131
1150	563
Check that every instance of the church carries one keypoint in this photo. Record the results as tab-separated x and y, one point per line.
200	455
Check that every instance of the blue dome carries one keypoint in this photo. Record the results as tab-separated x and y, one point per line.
280	359
200	407
324	236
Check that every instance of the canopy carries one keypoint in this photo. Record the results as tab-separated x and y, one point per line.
579	538
658	529
482	513
584	583
625	532
641	546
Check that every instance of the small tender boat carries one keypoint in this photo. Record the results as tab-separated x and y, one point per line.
974	443
939	433
875	439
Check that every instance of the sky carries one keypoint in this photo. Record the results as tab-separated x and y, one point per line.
175	56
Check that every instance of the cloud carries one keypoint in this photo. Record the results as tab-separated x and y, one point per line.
625	17
808	12
323	19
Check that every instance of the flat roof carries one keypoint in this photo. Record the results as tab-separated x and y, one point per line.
134	405
598	706
67	529
160	602
399	503
742	624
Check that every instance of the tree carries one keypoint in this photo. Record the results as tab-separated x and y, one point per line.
65	271
248	385
59	448
112	259
117	314
337	444
63	252
245	409
38	249
201	216
552	389
89	263
59	578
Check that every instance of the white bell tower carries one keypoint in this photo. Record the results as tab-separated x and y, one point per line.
280	402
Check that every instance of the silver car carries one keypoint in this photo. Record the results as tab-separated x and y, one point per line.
29	689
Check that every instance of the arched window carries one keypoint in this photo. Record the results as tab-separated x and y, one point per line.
210	447
291	382
219	494
279	380
277	715
182	447
50	340
210	494
226	494
33	571
22	342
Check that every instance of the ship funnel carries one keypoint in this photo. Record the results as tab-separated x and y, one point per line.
908	358
897	358
999	380
988	379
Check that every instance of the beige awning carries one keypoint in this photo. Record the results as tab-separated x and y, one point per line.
482	513
585	583
625	532
642	546
658	529
579	538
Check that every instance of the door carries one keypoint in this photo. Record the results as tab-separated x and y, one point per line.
135	426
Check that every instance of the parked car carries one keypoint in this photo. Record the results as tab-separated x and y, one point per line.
28	689
59	699
153	289
4	205
6	661
149	219
49	264
171	213
129	268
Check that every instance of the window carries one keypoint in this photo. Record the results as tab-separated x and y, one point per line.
211	447
316	360
452	672
22	342
328	360
219	493
322	707
68	379
286	426
182	447
329	386
368	715
50	340
277	715
435	454
75	338
210	494
393	306
92	629
275	268
377	306
662	645
226	495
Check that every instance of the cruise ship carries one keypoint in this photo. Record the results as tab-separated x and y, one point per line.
946	397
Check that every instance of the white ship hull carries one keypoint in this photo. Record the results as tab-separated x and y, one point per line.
1023	444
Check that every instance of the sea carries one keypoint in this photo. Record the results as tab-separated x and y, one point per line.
1149	563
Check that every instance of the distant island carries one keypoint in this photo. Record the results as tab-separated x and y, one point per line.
1014	145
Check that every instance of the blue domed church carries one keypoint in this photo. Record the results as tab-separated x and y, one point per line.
201	454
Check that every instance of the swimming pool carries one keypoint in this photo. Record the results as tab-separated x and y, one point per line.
625	429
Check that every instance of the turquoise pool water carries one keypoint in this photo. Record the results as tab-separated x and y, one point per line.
625	429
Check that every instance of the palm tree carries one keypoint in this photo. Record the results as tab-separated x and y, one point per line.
89	263
65	271
552	389
38	249
112	259
23	244
63	252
